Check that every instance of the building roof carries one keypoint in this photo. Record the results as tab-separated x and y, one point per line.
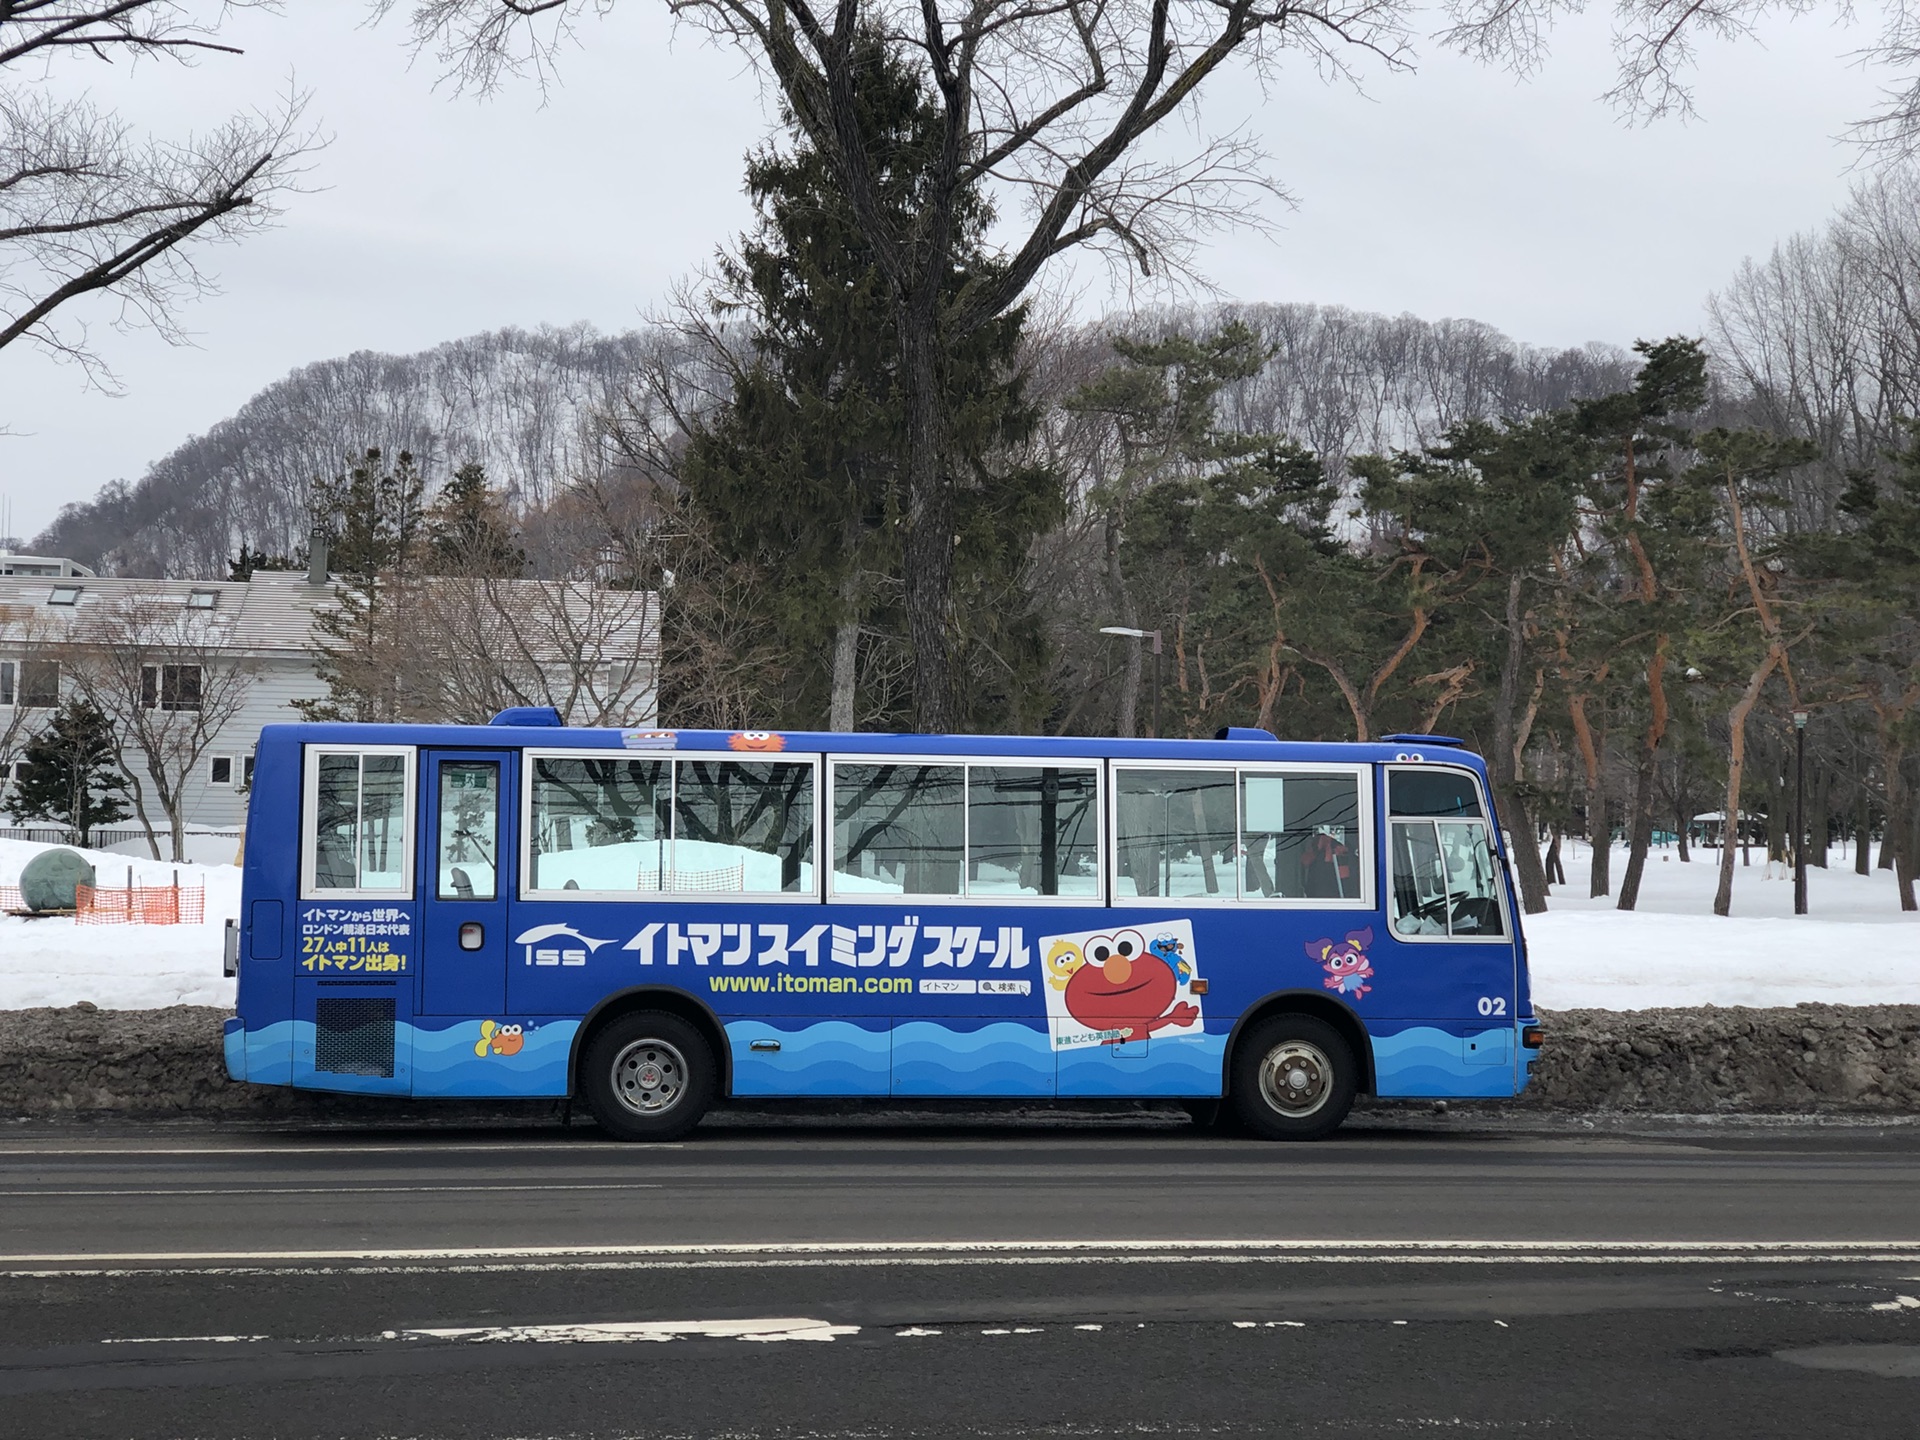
269	614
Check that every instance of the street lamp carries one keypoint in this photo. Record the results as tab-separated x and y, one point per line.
1800	812
1153	635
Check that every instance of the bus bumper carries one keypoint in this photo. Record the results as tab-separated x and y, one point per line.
234	1037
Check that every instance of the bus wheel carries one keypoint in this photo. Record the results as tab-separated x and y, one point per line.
647	1076
1294	1078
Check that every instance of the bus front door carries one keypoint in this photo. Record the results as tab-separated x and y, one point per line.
469	834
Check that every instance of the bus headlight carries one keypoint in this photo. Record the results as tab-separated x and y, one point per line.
230	958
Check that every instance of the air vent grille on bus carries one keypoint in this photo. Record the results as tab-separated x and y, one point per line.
353	1036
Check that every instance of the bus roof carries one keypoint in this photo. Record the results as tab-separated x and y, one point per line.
767	743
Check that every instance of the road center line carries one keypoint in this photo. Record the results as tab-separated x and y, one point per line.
1024	1252
322	1190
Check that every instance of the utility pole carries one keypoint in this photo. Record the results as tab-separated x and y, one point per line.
1800	812
1153	635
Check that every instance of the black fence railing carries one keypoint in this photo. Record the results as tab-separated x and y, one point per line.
103	839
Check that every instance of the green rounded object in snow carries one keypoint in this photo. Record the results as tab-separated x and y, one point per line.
47	882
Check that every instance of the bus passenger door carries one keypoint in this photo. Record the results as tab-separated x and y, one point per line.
470	842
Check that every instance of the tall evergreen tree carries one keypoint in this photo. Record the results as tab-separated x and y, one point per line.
803	473
372	514
468	530
69	774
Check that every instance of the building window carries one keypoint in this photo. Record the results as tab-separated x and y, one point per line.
246	773
220	770
170	687
6	682
64	595
203	599
39	684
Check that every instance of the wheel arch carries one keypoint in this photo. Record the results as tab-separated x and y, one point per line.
654	997
1305	1002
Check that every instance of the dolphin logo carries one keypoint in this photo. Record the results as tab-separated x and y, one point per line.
550	932
539	953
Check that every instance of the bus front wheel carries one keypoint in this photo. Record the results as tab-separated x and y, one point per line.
1294	1078
647	1076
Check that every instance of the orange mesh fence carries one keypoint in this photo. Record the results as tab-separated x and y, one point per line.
11	899
139	905
726	878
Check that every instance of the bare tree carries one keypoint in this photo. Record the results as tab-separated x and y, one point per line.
481	643
90	207
159	672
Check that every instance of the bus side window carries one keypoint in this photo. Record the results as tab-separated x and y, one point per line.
898	829
359	840
1301	835
743	826
598	824
1032	830
1174	832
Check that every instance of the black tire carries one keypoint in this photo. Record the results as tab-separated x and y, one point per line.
648	1076
1294	1078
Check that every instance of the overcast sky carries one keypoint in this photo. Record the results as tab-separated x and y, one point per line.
1455	191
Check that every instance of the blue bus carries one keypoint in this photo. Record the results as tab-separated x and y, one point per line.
651	921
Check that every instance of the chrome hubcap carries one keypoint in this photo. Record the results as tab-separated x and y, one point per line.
649	1076
1296	1078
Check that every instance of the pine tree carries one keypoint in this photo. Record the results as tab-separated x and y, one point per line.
801	476
374	517
468	530
69	775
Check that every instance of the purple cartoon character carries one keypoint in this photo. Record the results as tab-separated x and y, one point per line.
1345	962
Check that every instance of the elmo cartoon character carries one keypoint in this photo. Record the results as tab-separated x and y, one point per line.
1347	967
1123	986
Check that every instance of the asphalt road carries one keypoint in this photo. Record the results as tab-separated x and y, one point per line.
831	1280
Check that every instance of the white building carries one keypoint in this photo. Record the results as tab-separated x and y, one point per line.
597	659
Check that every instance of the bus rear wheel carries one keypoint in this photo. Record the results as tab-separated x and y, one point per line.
1294	1078
647	1076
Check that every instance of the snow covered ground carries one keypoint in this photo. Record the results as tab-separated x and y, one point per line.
117	967
1855	948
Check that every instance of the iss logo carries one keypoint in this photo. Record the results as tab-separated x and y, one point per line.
543	947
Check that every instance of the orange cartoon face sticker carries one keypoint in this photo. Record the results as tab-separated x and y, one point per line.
496	1039
759	740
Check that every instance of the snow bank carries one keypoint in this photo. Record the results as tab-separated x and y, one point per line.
118	967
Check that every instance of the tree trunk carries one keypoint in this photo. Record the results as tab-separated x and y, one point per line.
1863	832
1907	864
1556	871
1596	803
846	641
930	535
1818	819
1127	723
1640	819
1506	761
1600	836
1736	763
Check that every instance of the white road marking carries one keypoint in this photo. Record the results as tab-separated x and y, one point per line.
295	1148
324	1190
1087	1327
1035	1252
914	1332
629	1331
1900	1302
186	1340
